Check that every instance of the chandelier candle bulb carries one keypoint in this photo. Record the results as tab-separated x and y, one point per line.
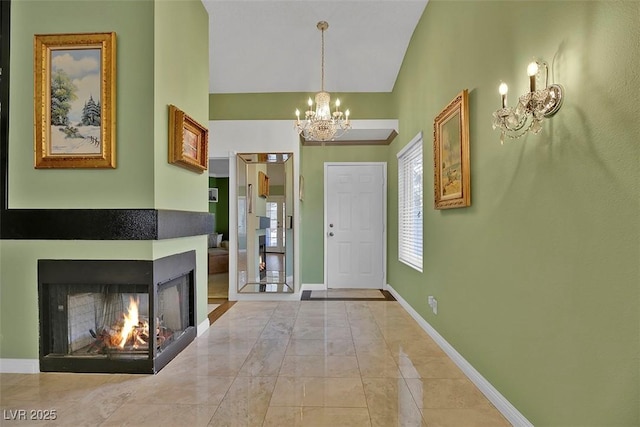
503	89
532	70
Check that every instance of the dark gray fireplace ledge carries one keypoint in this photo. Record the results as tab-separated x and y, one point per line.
102	224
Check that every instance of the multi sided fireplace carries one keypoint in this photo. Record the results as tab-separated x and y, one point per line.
115	316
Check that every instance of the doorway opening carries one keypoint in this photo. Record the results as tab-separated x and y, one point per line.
218	241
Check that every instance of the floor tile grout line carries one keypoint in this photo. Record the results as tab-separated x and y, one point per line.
279	369
364	393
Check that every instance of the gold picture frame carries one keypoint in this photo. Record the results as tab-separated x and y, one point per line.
74	100
452	182
263	185
188	141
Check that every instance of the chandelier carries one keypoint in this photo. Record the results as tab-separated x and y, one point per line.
532	107
321	124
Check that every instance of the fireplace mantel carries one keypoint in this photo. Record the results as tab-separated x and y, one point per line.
102	224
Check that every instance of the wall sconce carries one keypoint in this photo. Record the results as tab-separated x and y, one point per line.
532	107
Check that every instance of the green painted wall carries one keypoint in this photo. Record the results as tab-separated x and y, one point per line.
142	179
276	190
221	209
187	88
312	159
213	207
537	282
222	223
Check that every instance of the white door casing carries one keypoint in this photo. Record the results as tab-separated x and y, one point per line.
355	225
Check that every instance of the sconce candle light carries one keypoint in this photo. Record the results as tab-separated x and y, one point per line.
503	89
532	107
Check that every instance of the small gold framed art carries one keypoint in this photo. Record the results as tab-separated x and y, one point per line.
188	141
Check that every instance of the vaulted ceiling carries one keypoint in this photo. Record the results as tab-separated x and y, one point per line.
274	46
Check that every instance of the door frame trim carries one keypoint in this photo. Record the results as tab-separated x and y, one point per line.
325	230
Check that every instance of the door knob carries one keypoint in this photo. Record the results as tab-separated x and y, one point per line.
331	225
331	234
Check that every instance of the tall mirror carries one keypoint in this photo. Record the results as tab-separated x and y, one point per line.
265	222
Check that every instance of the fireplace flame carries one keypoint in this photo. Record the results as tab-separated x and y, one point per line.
132	329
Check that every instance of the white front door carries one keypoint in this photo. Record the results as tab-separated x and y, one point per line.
355	206
275	232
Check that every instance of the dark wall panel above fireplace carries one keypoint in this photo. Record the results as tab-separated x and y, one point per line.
103	224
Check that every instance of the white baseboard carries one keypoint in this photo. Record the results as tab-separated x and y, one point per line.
19	366
203	326
313	287
499	401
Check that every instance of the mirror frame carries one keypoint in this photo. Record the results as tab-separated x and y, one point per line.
253	186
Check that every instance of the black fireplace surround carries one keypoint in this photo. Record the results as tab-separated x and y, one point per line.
83	305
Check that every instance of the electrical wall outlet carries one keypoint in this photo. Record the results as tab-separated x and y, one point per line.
433	303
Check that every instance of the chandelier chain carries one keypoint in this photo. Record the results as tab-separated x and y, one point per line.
322	79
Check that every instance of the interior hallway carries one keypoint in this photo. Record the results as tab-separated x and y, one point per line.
300	363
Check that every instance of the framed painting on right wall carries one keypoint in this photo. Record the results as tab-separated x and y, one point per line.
452	186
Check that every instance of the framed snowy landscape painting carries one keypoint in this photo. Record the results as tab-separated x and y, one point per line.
75	100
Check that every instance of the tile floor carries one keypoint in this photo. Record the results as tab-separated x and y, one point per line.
218	286
304	363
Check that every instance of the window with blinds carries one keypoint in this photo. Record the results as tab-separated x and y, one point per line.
410	208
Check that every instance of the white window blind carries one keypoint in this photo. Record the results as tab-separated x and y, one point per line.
410	212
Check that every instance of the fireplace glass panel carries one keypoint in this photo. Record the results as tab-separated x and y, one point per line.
112	324
173	311
114	321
